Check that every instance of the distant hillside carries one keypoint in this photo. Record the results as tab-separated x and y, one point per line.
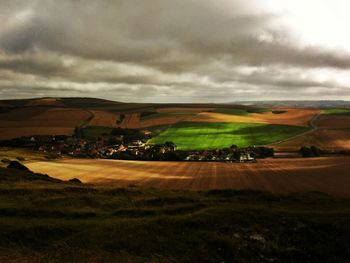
103	104
297	103
57	102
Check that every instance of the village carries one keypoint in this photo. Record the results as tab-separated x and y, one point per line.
125	147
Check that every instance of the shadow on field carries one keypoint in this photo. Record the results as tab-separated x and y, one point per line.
48	220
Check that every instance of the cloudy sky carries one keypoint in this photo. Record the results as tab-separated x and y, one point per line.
175	51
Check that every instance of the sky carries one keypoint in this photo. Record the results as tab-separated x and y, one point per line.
175	51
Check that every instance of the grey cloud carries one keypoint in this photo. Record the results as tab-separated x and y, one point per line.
179	48
39	64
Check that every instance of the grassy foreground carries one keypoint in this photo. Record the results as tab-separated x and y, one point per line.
202	136
45	220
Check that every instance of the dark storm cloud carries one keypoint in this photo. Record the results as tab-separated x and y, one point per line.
36	65
160	48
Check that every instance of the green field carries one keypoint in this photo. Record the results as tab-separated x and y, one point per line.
202	136
336	111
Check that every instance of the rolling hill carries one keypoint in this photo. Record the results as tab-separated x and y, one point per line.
60	116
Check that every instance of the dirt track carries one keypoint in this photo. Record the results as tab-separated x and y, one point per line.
327	174
332	132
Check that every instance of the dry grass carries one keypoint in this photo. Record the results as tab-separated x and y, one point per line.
43	220
220	117
297	117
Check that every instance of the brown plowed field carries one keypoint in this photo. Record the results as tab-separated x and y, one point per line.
183	109
165	120
15	132
131	121
104	118
41	121
333	133
300	117
45	102
21	114
62	117
328	174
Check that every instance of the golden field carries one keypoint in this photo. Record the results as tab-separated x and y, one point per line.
326	174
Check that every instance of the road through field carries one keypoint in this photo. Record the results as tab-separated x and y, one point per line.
313	126
330	132
326	174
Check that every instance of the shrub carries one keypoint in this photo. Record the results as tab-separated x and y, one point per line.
75	180
51	156
20	158
315	151
312	151
279	111
5	160
18	166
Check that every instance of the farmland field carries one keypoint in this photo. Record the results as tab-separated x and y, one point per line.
201	136
332	133
327	174
224	124
336	111
41	121
103	118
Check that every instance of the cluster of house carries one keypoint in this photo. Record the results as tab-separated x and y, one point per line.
115	147
101	148
229	155
138	149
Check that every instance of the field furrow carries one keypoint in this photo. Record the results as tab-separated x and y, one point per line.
326	174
